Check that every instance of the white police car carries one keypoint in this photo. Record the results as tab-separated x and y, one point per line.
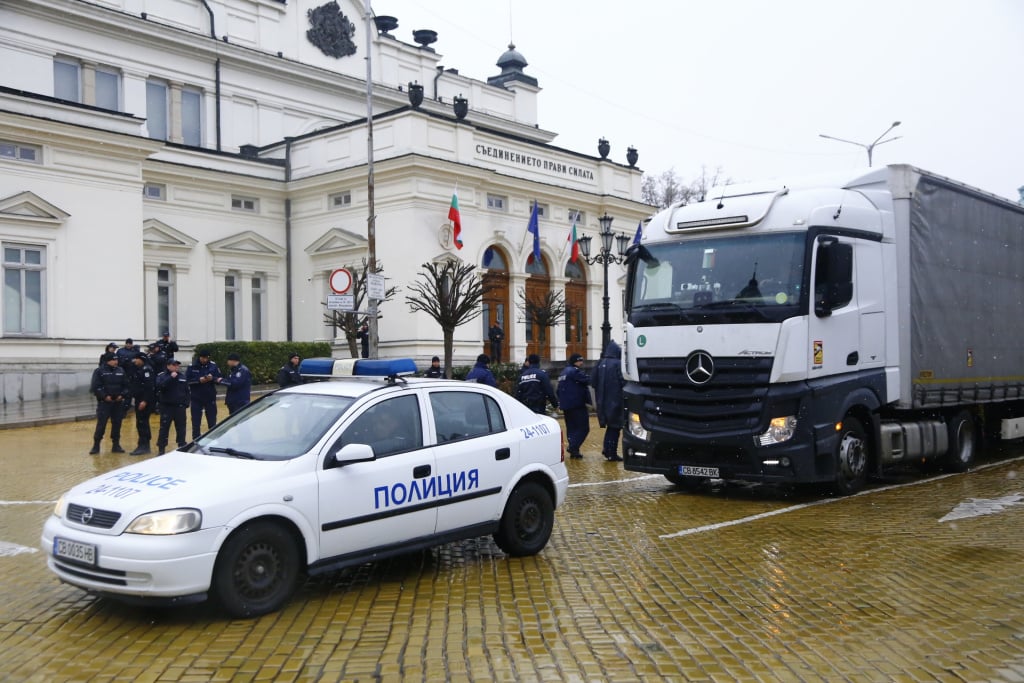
310	479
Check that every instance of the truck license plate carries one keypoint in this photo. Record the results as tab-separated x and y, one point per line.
73	550
690	471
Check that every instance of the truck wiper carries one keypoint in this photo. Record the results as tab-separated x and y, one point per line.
232	452
735	304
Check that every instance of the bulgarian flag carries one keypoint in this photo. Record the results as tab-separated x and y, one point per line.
575	243
456	219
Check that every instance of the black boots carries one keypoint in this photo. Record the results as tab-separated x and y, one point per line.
117	448
95	447
143	449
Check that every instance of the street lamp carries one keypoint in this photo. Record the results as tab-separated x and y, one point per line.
605	257
870	147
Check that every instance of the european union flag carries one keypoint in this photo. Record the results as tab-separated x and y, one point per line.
535	229
639	232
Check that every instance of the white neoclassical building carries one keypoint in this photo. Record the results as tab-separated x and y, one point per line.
201	166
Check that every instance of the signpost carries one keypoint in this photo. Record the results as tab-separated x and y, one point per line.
375	288
341	302
341	281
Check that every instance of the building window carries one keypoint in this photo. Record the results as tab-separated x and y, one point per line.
245	204
20	152
578	217
258	302
542	209
67	80
24	269
156	109
339	200
496	202
108	89
231	300
165	305
154	191
191	117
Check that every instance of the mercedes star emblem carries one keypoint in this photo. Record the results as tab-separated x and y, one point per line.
700	367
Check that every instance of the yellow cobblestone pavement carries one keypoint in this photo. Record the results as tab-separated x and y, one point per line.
640	582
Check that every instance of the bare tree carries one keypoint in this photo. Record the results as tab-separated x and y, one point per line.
349	322
451	293
668	188
544	312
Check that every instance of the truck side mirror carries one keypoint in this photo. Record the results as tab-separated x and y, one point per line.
833	276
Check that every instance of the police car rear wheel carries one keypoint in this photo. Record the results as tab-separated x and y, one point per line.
257	570
527	522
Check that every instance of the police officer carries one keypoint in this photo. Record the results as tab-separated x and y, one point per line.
172	394
608	387
143	389
239	384
481	373
496	335
157	358
110	386
574	397
126	354
168	346
534	388
289	374
435	370
202	380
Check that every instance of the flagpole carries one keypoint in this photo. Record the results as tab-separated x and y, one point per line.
371	220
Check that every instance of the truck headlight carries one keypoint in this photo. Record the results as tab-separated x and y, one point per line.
779	429
166	522
636	429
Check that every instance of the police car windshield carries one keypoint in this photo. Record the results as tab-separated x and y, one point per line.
278	427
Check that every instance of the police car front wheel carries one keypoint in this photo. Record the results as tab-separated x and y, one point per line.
527	521
257	569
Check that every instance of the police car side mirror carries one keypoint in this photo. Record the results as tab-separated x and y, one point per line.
353	452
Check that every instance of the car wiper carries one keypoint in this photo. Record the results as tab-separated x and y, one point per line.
231	452
735	304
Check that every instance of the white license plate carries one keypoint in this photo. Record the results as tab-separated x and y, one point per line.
73	550
690	471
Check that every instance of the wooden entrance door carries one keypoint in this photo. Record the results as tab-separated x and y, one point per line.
576	331
496	300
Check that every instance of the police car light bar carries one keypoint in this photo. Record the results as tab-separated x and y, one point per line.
322	368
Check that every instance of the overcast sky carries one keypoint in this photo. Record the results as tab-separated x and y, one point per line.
748	85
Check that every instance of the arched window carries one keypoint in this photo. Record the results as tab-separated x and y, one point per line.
494	259
574	271
535	267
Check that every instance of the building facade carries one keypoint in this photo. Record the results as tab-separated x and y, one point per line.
201	167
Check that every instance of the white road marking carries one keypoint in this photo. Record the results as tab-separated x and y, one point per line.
12	549
976	507
793	508
27	502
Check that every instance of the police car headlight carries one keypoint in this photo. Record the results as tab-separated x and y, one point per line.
166	522
636	429
780	429
58	509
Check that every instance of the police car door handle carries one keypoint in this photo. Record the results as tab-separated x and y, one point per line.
421	471
502	454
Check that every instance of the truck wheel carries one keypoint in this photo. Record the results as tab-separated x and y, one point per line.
257	570
852	454
962	442
526	524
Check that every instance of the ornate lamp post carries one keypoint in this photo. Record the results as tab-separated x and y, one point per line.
605	257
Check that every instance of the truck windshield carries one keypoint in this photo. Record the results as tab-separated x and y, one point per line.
746	278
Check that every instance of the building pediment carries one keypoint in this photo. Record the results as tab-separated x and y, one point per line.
246	243
28	207
156	233
336	241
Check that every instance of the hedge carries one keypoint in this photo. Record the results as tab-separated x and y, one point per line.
263	358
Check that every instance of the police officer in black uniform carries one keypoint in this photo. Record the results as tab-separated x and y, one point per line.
289	374
143	389
534	388
157	358
167	345
172	394
110	386
202	380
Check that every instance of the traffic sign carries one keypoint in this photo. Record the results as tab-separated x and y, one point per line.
341	302
341	281
375	286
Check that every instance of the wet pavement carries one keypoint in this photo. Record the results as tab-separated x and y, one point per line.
918	579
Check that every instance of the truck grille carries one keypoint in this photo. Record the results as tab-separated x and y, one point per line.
730	400
103	519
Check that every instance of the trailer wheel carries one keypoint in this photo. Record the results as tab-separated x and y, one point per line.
962	442
852	455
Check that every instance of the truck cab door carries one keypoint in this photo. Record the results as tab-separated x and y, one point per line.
833	345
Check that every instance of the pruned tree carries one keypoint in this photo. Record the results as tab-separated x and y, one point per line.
542	311
451	293
668	188
349	322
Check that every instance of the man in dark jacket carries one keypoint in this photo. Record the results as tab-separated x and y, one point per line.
172	394
608	394
435	370
534	388
157	358
143	389
110	387
480	372
574	397
202	380
238	382
167	345
289	374
496	335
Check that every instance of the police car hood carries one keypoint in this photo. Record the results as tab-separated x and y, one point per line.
174	480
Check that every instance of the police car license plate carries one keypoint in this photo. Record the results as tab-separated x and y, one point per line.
73	550
690	471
